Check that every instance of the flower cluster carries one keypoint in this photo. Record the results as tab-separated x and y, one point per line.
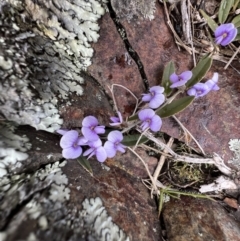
72	143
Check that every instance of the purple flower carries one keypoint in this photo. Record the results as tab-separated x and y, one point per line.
70	142
180	80
155	97
201	89
62	131
212	83
91	129
116	120
113	144
150	120
97	149
225	34
198	90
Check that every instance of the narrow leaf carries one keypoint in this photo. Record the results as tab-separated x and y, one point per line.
83	161
224	10
236	21
168	70
131	140
200	70
211	23
175	106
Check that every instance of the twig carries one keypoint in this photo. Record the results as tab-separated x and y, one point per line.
189	133
216	159
126	90
234	55
162	160
180	42
146	167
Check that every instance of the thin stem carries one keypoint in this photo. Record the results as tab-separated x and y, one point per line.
162	160
146	167
189	133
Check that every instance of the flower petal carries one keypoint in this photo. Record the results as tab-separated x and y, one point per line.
101	154
115	136
178	84
68	139
90	121
62	131
99	129
215	77
88	151
192	92
110	149
223	28
201	89
156	101
174	78
157	89
156	123
121	148
146	97
72	152
229	38
82	141
114	119
144	125
186	75
89	134
145	114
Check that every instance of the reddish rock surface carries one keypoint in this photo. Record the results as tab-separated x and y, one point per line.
126	200
199	220
212	119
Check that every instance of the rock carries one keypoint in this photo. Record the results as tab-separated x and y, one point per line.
200	220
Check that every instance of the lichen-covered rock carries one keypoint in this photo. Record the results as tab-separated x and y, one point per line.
44	47
129	9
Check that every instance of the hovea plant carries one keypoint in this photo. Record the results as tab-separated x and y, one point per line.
105	142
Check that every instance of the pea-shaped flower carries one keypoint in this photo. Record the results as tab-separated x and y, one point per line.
70	142
155	97
212	83
91	129
96	149
180	80
113	144
225	34
198	90
149	120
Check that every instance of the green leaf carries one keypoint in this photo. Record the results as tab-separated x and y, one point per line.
83	161
224	10
131	140
168	70
200	70
175	106
236	21
211	23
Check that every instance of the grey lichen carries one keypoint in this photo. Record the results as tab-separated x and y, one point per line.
234	146
43	49
129	9
13	150
96	216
